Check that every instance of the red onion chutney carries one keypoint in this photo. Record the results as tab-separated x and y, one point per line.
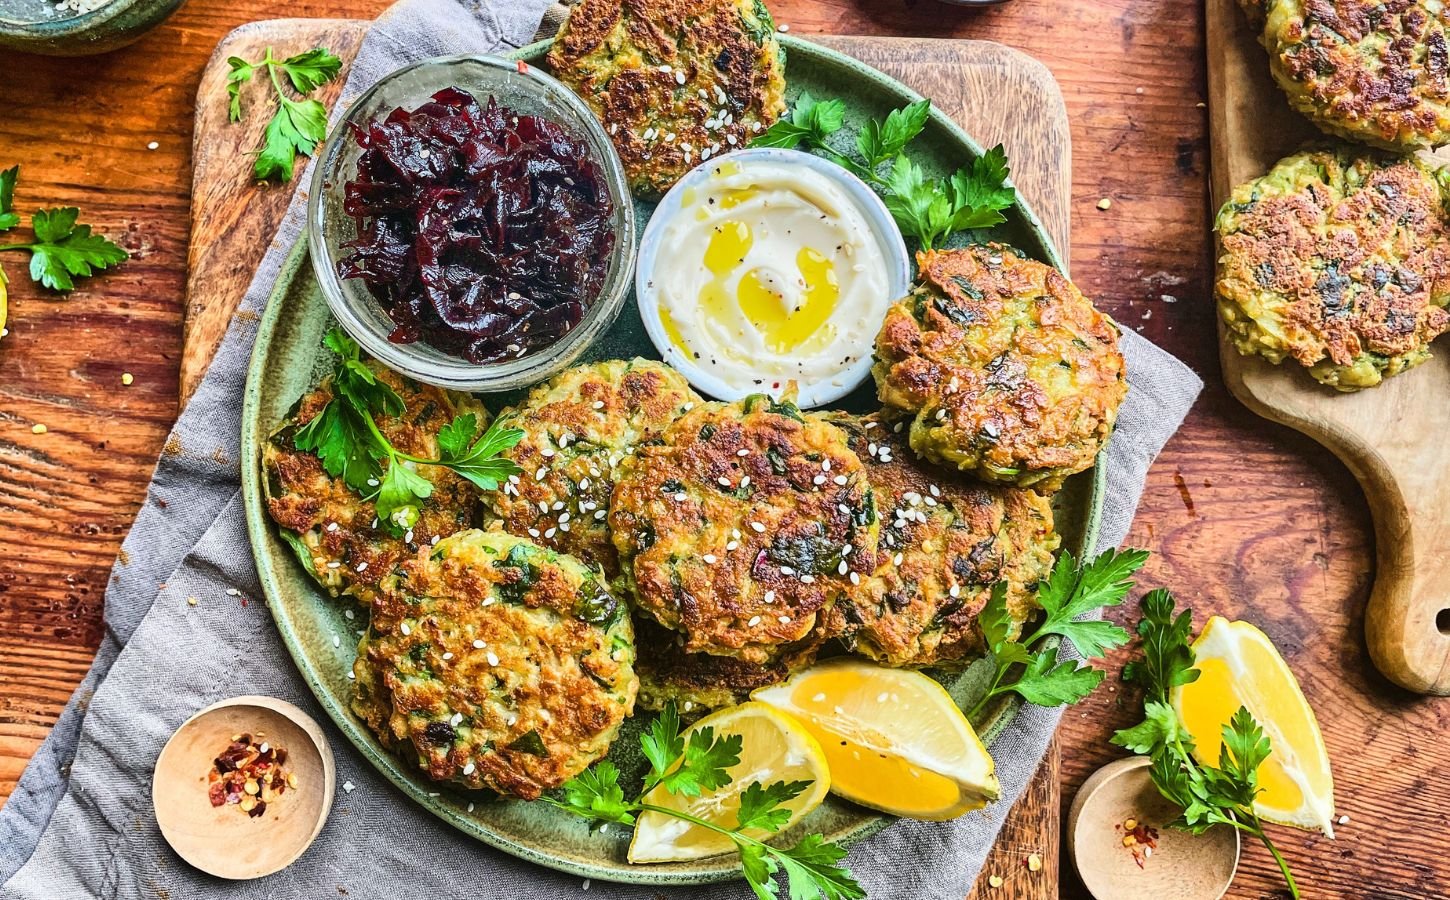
482	232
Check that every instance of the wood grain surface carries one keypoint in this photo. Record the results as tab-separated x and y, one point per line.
1391	437
998	92
1246	518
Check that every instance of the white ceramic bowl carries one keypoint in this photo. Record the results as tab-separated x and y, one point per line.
887	235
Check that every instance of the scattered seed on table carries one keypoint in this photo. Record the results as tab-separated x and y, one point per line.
127	378
1105	203
38	428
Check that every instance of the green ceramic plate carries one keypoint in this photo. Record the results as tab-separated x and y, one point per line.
288	361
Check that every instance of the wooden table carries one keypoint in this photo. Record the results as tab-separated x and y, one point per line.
1245	519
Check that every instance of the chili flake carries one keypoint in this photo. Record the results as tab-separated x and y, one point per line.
249	775
1140	838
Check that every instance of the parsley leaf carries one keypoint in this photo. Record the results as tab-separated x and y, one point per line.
595	794
63	249
1048	682
311	69
341	440
481	463
704	763
8	217
298	124
1028	667
1069	593
810	122
662	744
1167	658
880	141
814	871
402	490
760	806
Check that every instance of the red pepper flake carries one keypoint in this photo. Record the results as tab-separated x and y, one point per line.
523	67
249	774
1140	839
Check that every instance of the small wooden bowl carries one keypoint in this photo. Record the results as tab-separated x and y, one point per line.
223	840
1182	867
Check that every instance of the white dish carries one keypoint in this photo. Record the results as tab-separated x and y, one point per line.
682	197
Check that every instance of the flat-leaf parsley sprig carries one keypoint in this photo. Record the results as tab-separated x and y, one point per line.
812	866
298	125
345	437
62	250
1207	795
927	209
1068	592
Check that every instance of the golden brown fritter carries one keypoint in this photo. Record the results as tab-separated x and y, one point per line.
1375	71
674	81
1006	369
744	525
1337	259
577	429
945	541
699	682
497	663
334	531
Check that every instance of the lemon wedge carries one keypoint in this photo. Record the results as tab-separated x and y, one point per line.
4	304
1239	666
894	739
774	748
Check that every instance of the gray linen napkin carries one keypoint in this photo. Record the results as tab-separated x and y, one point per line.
80	823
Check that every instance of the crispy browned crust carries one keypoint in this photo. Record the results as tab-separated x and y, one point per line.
945	541
689	545
482	663
1370	70
1006	368
698	682
577	449
1341	256
624	58
304	499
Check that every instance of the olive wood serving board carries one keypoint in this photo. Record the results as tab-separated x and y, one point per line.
997	93
1392	437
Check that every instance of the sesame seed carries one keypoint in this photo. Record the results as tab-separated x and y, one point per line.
331	526
787	570
598	404
724	482
808	579
840	479
855	579
468	768
769	596
448	655
897	559
732	545
406	629
709	559
956	591
745	482
408	538
492	658
533	532
362	567
742	452
843	568
665	68
935	491
784	27
679	78
479	645
680	498
757	527
336	641
819	479
547	452
550	532
334	565
539	475
584	484
825	465
754	620
349	787
1343	820
457	718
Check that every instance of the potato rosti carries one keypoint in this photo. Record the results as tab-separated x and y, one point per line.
334	531
1375	71
577	429
745	524
1006	369
498	663
1337	259
944	543
674	81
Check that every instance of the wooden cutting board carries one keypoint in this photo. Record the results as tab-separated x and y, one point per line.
1392	437
996	93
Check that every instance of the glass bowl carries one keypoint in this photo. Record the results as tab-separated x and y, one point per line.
525	89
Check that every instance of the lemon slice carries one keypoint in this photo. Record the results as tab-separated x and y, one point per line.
894	738
1239	666
774	748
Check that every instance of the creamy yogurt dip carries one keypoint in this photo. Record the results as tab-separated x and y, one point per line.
769	271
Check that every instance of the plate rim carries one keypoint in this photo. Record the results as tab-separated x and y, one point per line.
258	528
